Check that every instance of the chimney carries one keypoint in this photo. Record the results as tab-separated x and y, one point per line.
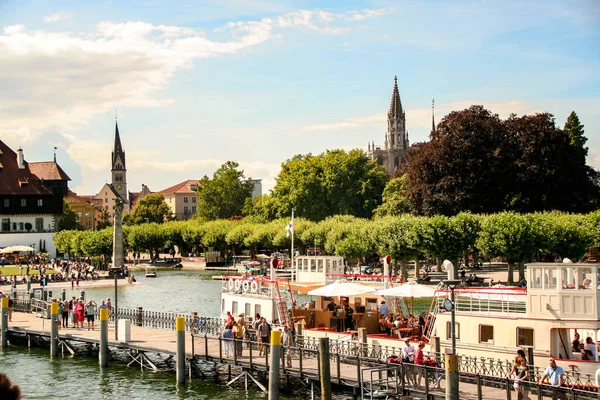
20	158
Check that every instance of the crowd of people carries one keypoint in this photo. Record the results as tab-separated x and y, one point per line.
36	269
396	324
77	311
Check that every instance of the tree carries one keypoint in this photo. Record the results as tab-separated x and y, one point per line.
68	219
398	237
104	219
151	208
224	195
264	207
574	130
332	183
461	168
394	197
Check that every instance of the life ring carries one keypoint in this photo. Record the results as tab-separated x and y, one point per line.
254	287
237	285
246	285
230	284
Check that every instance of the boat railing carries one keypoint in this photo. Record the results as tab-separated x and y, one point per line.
255	286
506	301
364	278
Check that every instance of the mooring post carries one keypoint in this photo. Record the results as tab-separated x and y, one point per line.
63	294
103	337
451	376
54	330
4	322
29	283
274	370
325	368
180	328
140	317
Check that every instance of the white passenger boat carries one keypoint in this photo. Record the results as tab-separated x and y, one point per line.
561	299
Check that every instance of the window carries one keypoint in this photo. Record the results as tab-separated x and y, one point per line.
193	199
106	201
371	305
23	202
234	308
257	309
449	330
248	310
525	337
193	209
486	334
223	305
185	199
40	202
537	278
5	224
185	209
21	226
6	202
39	224
14	226
193	186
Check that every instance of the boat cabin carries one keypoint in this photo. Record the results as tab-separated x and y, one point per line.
317	268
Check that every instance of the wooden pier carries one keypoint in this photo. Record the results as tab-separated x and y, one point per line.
299	365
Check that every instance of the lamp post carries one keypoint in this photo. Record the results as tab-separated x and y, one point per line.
452	391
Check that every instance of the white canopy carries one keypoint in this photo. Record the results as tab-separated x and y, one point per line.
14	249
409	289
341	288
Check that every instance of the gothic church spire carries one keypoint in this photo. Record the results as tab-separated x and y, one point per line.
118	155
396	103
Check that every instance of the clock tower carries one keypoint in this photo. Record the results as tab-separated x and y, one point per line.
119	172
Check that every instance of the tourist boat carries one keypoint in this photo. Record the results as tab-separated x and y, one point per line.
560	300
151	274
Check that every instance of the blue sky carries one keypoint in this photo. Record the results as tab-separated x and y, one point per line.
199	83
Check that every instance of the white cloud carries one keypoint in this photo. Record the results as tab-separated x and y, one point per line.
57	17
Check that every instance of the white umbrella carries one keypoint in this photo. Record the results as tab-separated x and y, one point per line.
341	288
14	249
410	289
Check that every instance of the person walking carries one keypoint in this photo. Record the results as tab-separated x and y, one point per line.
264	331
90	313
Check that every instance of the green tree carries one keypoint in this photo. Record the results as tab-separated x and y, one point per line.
399	238
98	243
68	219
104	219
333	183
149	237
574	129
62	241
264	207
225	194
395	201
151	208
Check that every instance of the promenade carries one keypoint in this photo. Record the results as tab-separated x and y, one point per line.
344	368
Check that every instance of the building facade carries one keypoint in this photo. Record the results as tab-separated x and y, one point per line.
86	211
182	199
396	143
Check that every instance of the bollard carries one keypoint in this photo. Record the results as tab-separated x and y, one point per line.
4	333
324	368
54	330
103	355
83	295
180	328
139	321
63	294
451	377
274	370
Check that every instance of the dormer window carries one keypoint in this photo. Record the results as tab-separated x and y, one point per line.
193	186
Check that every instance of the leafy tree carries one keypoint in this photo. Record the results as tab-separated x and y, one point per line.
151	208
149	237
333	183
574	129
264	207
68	219
98	243
398	237
395	201
62	241
563	235
225	194
104	219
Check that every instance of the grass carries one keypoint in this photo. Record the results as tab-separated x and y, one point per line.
12	271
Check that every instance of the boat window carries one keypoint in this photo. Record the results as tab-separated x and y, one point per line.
525	337
371	304
248	310
550	278
449	330
598	277
486	334
257	309
585	278
537	278
223	305
234	307
568	278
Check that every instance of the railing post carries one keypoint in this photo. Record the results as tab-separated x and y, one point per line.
339	369
325	368
206	347
426	374
300	360
508	388
362	340
220	350
250	345
4	333
139	320
479	391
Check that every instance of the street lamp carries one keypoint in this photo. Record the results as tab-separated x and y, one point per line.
452	359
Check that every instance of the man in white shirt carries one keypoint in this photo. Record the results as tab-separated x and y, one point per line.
408	352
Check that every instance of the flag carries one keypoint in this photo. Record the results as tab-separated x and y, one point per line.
290	228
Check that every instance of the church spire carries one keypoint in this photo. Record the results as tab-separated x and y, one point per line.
396	103
118	155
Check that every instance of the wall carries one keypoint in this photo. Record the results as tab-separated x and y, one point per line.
49	221
27	239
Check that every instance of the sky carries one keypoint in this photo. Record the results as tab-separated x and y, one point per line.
195	84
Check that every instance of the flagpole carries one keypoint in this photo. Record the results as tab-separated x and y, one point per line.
292	250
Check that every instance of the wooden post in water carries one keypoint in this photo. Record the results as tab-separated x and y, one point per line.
54	329
103	355
452	377
180	328
325	369
4	322
274	370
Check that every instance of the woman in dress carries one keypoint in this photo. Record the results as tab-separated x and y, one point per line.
521	377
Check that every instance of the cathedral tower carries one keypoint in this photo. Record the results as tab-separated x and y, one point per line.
119	172
396	144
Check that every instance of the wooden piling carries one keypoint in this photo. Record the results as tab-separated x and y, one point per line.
325	369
